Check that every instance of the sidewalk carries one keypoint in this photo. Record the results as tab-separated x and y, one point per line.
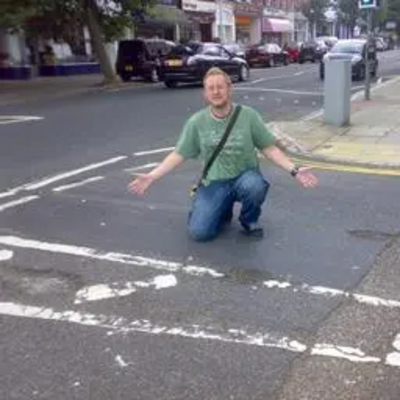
46	88
371	140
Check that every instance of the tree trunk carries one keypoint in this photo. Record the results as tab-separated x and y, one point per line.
91	12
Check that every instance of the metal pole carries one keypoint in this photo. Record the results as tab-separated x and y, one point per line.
367	94
220	21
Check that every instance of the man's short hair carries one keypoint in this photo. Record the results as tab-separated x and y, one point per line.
215	71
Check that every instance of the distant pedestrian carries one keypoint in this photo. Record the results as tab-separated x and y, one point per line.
234	176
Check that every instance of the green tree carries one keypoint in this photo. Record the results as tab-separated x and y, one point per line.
348	13
106	20
314	10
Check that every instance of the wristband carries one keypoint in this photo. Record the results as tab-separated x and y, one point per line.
294	171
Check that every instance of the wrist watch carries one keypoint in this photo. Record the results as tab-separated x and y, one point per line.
294	171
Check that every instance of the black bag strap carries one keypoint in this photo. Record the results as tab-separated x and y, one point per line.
221	143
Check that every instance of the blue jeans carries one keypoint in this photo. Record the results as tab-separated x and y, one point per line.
213	204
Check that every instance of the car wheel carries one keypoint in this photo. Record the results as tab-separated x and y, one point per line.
125	77
170	84
244	73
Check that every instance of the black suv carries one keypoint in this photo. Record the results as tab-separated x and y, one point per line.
353	50
141	57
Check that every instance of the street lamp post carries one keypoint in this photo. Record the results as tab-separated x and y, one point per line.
368	5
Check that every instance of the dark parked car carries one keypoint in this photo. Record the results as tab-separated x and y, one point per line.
353	50
312	51
267	55
141	57
235	49
189	63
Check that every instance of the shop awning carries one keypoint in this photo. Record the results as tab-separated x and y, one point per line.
277	25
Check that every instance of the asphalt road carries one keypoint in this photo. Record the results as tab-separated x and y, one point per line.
104	296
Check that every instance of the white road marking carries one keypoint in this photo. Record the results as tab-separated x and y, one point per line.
18	202
117	324
142	167
69	174
6	255
118	289
155	151
13	119
78	184
331	292
347	353
120	361
393	359
120	325
120	258
396	343
87	252
47	181
300	93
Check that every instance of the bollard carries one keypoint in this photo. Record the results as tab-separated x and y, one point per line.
337	92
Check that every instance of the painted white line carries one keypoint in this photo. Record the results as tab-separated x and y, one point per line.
120	258
331	292
120	325
117	289
47	181
13	119
300	93
393	359
18	202
347	353
69	174
78	184
6	255
120	361
117	324
396	343
142	167
155	151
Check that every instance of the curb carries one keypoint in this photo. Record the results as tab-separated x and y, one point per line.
297	150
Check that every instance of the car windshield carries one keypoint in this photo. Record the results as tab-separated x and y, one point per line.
347	47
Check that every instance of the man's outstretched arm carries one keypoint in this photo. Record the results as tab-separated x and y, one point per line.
279	158
144	181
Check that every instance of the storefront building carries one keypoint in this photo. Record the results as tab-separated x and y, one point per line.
277	27
225	27
248	18
201	15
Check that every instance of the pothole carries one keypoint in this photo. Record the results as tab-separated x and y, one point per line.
38	282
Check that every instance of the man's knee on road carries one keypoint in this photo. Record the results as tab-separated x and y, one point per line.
253	186
202	231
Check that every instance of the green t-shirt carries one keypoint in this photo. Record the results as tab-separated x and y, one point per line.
202	133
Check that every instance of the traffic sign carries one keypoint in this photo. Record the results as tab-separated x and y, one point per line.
364	4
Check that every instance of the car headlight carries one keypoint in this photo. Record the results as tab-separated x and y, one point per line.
355	59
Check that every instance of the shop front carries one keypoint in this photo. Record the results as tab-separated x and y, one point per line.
224	27
277	30
248	22
201	15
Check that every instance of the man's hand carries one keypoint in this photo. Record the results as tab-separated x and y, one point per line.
306	178
140	185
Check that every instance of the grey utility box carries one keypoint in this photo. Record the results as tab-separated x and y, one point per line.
337	92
